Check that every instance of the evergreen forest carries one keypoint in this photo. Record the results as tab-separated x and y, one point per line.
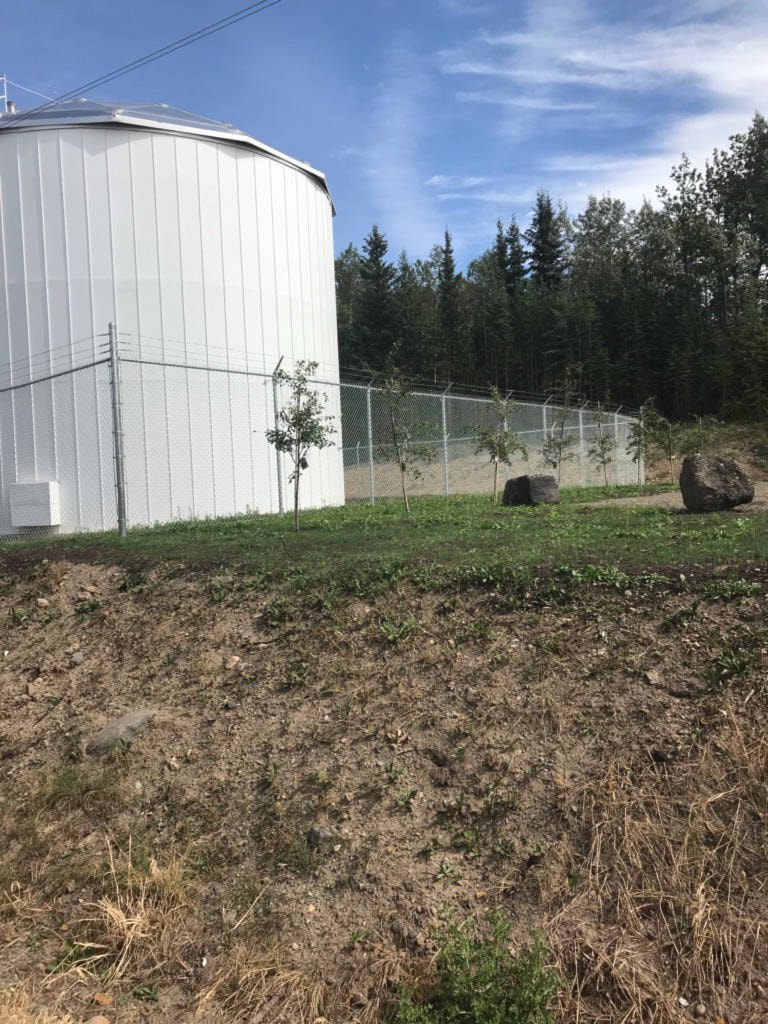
670	300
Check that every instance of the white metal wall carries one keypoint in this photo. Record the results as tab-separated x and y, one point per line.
204	252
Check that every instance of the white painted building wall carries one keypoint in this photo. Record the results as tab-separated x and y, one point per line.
206	251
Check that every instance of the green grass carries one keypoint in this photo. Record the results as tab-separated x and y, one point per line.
443	540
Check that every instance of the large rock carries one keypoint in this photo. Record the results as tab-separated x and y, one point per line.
711	484
531	490
120	732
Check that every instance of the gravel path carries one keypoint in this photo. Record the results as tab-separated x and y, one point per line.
673	499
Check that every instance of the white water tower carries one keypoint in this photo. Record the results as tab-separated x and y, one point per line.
213	253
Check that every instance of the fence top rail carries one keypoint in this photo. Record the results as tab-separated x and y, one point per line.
52	376
526	402
414	389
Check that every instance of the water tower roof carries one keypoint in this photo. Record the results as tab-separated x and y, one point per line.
158	116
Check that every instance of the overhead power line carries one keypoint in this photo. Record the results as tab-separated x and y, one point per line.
231	19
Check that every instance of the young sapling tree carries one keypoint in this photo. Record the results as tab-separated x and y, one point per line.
405	448
302	424
556	448
639	440
700	438
661	432
601	447
498	441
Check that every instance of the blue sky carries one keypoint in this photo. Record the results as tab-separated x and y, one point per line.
431	114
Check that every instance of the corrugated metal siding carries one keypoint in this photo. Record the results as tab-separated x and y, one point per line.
203	252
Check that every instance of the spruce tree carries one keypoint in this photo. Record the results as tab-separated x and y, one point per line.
547	243
454	361
514	271
376	322
488	318
348	286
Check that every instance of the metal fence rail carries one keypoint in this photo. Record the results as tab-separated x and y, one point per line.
127	441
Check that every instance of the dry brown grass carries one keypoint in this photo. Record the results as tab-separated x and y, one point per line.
17	1006
262	985
667	902
141	928
254	984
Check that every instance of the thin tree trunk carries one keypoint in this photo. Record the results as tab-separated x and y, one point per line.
398	456
296	478
495	480
296	491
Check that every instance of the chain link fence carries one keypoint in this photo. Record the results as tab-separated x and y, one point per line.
445	426
190	443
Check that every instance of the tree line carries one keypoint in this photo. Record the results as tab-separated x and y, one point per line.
669	300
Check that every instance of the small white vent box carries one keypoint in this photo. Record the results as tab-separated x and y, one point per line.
36	504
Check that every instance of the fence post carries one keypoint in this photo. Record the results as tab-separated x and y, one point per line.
280	505
582	478
616	441
117	430
443	401
544	415
372	482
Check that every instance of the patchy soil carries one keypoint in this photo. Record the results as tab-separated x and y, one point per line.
673	499
327	782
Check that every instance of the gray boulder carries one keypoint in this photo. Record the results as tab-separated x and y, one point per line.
709	483
120	732
531	490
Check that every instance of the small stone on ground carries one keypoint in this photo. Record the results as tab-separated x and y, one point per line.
120	732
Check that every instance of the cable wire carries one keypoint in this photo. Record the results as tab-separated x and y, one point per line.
149	58
33	91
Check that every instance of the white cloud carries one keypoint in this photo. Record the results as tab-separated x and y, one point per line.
448	181
496	197
683	80
551	96
635	179
392	159
502	99
724	58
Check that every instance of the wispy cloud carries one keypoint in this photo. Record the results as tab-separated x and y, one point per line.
679	81
462	123
451	181
502	99
466	7
393	159
498	198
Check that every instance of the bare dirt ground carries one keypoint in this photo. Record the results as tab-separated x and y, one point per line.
322	788
325	785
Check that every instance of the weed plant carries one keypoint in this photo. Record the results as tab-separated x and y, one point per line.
479	981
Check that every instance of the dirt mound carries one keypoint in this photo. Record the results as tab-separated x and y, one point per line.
745	444
328	781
